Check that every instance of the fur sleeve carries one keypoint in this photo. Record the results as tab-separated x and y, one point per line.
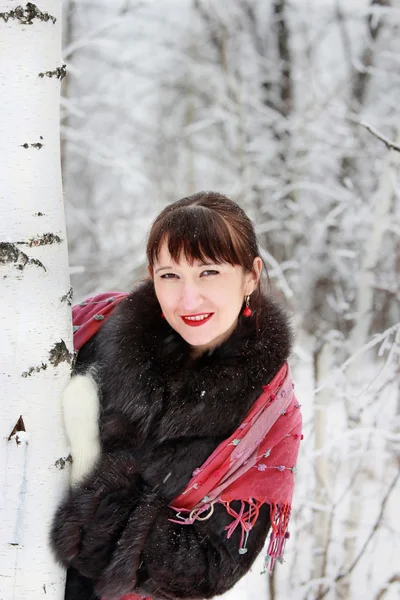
114	530
179	561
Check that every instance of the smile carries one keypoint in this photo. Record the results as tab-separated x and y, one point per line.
196	320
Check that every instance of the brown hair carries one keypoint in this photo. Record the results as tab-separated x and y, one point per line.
206	226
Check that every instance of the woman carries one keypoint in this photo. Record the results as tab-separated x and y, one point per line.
199	426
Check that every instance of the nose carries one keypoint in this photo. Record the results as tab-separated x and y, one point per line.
191	299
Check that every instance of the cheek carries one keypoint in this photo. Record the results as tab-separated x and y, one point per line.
229	300
165	296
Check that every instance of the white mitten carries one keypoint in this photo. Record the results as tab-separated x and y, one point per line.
81	406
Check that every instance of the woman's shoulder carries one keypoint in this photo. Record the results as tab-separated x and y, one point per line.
260	344
91	315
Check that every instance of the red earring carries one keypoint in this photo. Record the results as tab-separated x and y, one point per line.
162	315
247	312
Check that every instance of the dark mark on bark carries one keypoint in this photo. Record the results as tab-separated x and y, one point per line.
73	363
44	588
37	145
26	15
68	297
19	426
44	239
60	353
39	214
11	544
61	462
9	253
28	373
59	73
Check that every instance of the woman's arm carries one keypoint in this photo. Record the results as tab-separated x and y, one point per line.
115	530
90	520
180	561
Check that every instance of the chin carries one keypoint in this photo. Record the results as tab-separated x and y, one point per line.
197	340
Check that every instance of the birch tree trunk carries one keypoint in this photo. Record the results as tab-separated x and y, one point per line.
382	209
359	335
35	298
323	364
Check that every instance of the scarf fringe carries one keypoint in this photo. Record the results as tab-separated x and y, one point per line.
246	518
280	515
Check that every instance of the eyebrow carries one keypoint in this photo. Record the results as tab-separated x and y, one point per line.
198	266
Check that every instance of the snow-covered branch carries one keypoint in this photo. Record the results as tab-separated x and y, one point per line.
388	143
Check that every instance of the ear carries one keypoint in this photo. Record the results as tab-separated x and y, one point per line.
150	271
253	277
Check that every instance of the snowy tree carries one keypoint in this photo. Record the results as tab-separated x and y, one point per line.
35	338
273	104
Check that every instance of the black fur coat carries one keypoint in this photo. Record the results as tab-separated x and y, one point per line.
163	414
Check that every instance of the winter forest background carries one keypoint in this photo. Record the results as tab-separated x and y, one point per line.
279	104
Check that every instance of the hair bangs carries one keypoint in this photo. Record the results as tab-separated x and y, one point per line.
197	234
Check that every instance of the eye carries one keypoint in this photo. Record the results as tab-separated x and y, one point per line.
209	272
168	276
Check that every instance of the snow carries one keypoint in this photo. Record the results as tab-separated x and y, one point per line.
164	99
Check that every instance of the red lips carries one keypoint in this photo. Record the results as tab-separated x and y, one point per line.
194	323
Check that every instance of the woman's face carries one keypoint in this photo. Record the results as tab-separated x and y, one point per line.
202	301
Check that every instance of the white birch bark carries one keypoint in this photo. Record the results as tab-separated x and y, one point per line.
382	204
35	330
359	335
324	361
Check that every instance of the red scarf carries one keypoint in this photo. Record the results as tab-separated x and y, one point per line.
256	465
90	315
